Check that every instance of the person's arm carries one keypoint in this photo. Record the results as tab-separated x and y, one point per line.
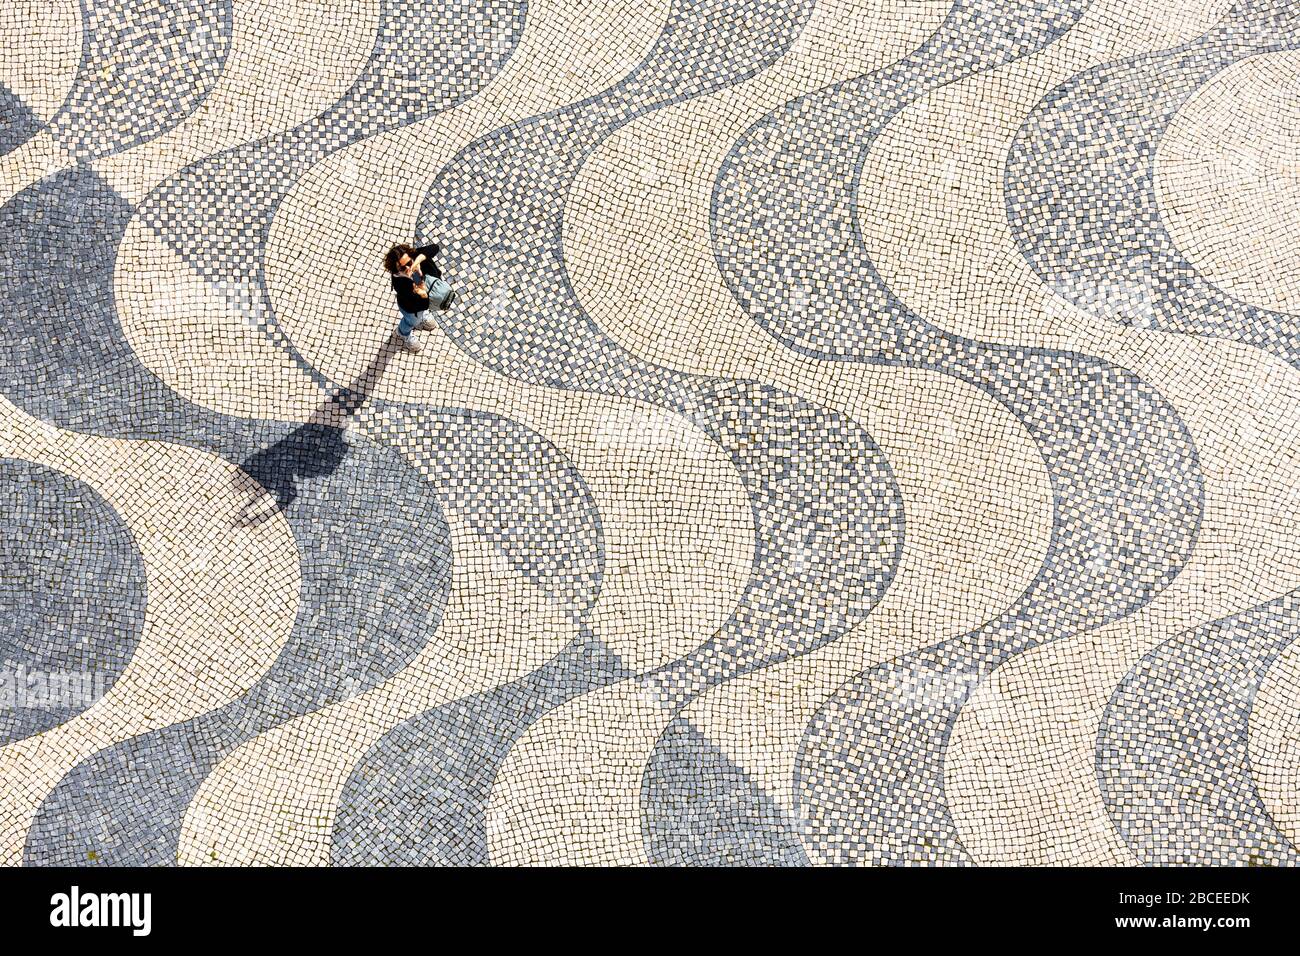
424	260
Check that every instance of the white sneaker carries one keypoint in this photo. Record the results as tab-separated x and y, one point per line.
412	343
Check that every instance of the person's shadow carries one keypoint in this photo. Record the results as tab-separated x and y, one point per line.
314	449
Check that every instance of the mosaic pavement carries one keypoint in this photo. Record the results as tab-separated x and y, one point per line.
864	432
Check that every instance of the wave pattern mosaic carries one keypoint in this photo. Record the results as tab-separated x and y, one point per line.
861	432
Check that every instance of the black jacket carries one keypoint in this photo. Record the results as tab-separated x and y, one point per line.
408	300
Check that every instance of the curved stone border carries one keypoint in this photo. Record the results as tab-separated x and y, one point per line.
1088	220
1172	749
1124	470
73	594
79	371
145	66
827	513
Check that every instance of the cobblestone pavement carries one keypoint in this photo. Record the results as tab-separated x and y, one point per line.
862	432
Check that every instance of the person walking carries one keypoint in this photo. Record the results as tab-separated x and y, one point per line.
417	284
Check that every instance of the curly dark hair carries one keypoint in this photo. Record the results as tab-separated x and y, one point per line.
394	255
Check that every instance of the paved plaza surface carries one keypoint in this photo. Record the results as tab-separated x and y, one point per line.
865	432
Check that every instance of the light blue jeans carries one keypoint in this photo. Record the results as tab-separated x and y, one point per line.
409	321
